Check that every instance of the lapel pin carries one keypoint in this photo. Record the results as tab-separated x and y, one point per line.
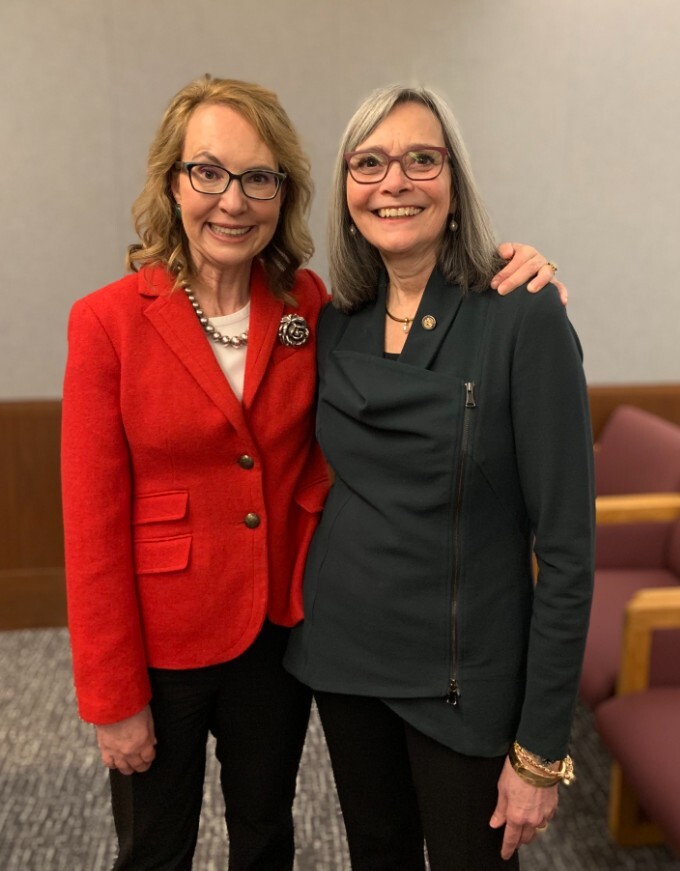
429	322
293	331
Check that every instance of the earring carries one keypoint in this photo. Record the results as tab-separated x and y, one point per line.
453	225
352	230
178	210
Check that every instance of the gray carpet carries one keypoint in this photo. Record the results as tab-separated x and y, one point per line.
54	813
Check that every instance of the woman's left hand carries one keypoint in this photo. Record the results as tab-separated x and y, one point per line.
523	263
522	808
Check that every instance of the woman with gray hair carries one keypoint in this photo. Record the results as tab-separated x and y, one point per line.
456	421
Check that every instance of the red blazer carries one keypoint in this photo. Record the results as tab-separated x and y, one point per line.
162	569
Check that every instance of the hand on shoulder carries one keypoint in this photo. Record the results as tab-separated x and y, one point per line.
527	266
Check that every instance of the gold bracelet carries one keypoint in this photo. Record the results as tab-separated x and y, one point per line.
527	758
530	765
533	777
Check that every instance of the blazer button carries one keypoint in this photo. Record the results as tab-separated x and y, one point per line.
245	461
252	521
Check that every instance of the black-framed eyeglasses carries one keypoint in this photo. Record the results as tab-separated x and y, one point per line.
419	164
257	184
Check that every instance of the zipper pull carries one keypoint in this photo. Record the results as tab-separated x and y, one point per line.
470	394
453	694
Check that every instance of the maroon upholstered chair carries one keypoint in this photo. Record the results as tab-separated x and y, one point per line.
638	453
640	726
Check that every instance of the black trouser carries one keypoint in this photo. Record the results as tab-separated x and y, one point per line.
398	788
258	714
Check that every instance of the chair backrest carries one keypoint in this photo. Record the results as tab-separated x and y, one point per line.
673	549
638	452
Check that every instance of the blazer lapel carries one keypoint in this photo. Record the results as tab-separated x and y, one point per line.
265	316
439	306
176	322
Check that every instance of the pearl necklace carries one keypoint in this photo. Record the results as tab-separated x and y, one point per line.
228	341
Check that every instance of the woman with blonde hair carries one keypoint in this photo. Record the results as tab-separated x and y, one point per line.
192	482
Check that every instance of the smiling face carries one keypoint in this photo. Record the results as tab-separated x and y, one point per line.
225	231
404	219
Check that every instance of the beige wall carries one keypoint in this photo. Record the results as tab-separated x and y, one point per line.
570	109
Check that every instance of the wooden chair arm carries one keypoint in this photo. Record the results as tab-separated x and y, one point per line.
637	508
649	609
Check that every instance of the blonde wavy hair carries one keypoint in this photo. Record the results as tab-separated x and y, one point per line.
467	256
156	222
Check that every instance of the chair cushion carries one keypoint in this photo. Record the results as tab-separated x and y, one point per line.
633	546
641	731
638	452
673	549
612	591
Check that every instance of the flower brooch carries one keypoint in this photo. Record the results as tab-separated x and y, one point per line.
293	331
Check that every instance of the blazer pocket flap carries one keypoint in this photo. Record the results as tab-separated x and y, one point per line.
155	555
313	496
156	507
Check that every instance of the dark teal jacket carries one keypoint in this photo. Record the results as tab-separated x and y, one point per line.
448	462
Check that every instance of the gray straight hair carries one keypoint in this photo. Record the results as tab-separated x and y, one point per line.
467	256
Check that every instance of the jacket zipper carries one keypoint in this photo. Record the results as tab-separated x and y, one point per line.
453	693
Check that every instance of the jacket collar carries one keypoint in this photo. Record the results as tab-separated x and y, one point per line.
441	301
175	320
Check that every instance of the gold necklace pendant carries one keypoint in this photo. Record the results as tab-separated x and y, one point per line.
405	321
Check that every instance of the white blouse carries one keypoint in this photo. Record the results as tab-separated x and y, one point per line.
232	360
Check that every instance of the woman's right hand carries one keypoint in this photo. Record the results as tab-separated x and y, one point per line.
129	745
523	809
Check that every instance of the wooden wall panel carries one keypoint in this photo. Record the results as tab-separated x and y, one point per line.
32	598
31	532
